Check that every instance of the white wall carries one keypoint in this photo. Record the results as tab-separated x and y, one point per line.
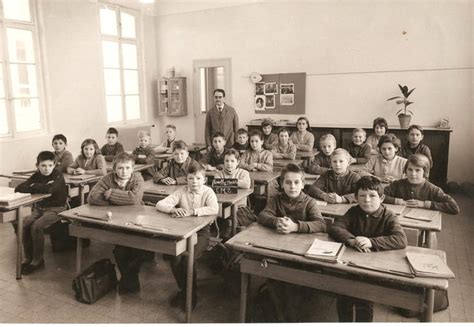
355	52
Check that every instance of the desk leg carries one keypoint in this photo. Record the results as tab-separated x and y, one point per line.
429	306
189	284
234	219
19	245
267	192
81	193
78	255
430	239
244	283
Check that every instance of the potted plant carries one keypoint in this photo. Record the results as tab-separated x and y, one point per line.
404	114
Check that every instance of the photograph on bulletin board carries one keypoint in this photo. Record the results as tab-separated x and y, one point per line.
270	101
271	88
259	88
287	94
259	103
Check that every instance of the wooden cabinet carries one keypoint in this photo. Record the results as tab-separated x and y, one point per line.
435	138
172	96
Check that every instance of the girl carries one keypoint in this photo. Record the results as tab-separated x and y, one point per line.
90	161
303	138
380	128
256	158
284	149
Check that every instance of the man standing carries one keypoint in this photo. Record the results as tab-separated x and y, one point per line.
221	118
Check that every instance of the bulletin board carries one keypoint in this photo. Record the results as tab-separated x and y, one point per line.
280	94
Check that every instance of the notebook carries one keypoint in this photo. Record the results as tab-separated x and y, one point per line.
428	265
9	197
325	251
421	214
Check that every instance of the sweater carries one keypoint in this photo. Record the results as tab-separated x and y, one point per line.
178	172
130	194
361	153
303	143
381	167
214	159
203	202
421	148
263	159
63	160
145	156
432	195
241	147
373	141
269	141
110	151
302	210
381	227
280	151
320	164
343	185
94	166
53	184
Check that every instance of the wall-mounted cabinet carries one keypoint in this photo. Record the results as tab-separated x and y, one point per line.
172	96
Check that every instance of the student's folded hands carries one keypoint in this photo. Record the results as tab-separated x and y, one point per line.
180	212
415	203
168	181
285	225
360	243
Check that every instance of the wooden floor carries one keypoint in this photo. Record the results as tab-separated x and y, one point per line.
47	297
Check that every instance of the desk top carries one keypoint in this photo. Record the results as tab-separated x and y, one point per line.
384	260
283	162
306	154
137	167
125	217
27	201
264	177
69	179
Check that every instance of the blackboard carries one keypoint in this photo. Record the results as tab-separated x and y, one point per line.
225	185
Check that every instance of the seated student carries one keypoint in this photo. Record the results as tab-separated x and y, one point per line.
196	199
214	159
387	166
90	161
242	143
414	145
284	149
336	185
303	138
123	187
291	211
47	180
269	138
63	156
113	146
175	171
416	191
359	149
256	158
167	145
144	153
380	128
367	227
322	161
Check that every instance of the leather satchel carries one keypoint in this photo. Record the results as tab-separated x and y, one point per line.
95	281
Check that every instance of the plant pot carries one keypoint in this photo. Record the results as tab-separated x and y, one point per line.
404	120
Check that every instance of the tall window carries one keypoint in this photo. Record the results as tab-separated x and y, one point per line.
120	51
20	102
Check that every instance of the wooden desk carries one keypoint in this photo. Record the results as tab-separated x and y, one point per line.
19	217
137	167
356	168
177	236
307	156
161	191
279	164
377	286
161	159
195	150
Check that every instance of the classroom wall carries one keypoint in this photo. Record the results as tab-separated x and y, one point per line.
354	52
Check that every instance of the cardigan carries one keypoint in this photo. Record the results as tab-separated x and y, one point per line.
263	159
381	167
269	140
227	123
63	160
381	227
302	210
53	184
178	172
421	148
303	143
110	151
361	153
432	195
203	202
284	152
95	166
343	185
320	164
130	194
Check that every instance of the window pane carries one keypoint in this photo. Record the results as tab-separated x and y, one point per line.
132	103
23	78
20	45
129	56
17	10
114	108
108	21
112	81
27	114
130	78
110	53
128	25
3	118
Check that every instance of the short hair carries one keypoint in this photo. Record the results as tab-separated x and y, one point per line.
267	122
283	130
306	120
45	155
369	183
112	130
179	145
291	168
60	137
359	130
123	157
256	133
381	122
343	152
328	137
194	168
87	142
232	152
419	160
173	127
219	90
418	127
390	138
218	134
141	133
241	131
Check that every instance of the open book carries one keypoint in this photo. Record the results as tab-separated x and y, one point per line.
421	214
428	265
325	251
8	197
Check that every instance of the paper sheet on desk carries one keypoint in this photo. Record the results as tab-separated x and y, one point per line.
396	208
421	214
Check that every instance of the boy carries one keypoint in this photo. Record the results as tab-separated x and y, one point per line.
269	138
322	161
284	149
113	147
123	187
256	158
144	153
214	159
47	180
63	156
367	227
175	171
167	145
242	143
196	199
338	184
359	149
414	145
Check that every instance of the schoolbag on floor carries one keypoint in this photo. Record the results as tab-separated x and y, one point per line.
95	281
